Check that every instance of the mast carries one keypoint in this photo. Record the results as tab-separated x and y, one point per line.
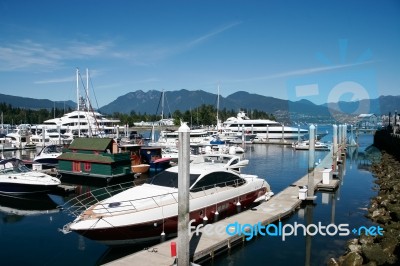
87	89
218	109
77	98
77	89
162	104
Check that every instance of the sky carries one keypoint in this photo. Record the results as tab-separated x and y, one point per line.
322	51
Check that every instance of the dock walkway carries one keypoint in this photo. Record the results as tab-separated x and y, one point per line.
204	246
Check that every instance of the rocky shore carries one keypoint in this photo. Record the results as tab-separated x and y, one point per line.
384	210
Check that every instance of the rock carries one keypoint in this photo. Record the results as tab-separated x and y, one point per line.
389	244
374	252
378	212
364	239
332	262
394	210
352	259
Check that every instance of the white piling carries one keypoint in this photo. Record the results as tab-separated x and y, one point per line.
311	161
183	195
335	146
44	136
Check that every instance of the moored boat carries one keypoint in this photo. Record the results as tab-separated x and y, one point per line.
48	155
17	179
143	213
305	145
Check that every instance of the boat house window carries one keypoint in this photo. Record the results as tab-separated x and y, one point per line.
220	179
88	167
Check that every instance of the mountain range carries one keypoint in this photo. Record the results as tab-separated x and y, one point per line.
150	102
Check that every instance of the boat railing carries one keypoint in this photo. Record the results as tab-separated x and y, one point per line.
83	201
79	204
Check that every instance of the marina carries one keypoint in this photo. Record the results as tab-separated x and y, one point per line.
205	134
204	247
262	161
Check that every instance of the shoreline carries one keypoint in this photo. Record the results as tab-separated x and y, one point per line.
384	210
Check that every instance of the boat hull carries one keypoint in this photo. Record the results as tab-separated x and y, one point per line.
140	168
24	189
152	230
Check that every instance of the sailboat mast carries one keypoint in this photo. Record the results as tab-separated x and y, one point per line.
77	101
162	105
87	89
77	89
218	109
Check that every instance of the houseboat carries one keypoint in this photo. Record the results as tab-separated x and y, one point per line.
95	157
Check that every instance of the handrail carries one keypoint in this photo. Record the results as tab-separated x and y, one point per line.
85	201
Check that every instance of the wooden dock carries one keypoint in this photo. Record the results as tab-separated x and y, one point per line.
204	246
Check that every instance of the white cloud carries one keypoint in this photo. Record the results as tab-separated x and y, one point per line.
28	54
299	72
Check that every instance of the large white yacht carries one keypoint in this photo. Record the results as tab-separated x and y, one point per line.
264	129
84	121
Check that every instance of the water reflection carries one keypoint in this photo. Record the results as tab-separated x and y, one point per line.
14	208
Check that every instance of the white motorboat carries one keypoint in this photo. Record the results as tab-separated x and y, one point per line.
20	138
17	179
49	137
145	212
48	155
305	145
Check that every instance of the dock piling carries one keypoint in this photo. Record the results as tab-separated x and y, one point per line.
183	195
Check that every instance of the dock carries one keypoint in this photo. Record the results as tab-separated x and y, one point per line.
205	246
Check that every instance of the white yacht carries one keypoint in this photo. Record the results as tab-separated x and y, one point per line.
170	138
50	137
264	129
20	138
146	212
83	123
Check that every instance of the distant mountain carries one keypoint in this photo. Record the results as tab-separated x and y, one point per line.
381	105
149	102
30	103
183	100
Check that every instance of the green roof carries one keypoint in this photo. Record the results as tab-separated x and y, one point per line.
91	144
82	157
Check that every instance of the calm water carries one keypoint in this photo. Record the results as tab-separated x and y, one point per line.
29	230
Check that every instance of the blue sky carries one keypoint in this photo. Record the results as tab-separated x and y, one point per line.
316	50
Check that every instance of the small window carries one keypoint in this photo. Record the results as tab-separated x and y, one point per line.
88	167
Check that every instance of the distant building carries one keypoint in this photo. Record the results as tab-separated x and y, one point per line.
367	121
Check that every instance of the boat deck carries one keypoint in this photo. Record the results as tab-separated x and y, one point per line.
204	247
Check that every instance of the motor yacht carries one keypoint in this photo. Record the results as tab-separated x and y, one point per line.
264	129
146	212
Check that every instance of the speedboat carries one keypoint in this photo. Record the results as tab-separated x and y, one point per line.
305	145
48	155
146	212
17	179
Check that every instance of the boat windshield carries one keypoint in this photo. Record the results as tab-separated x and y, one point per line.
14	166
170	179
